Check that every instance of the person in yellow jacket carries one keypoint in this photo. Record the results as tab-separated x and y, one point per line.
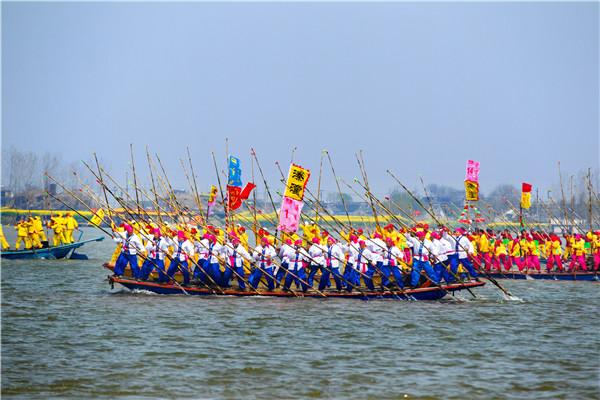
555	256
22	228
57	224
3	242
70	225
310	231
39	228
514	248
485	250
33	234
578	256
596	250
501	256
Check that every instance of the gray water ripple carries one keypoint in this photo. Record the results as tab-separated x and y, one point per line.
70	336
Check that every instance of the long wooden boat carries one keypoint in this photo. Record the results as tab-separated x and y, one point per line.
63	251
551	276
421	293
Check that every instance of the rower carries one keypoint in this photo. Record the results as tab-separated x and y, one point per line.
56	223
333	254
22	235
350	274
315	251
131	245
263	254
33	234
391	259
462	248
156	248
422	247
212	262
364	265
578	257
439	249
377	247
285	252
183	250
70	225
297	259
555	254
596	249
3	242
235	253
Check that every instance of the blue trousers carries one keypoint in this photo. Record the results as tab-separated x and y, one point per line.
301	276
181	266
367	277
213	270
418	266
454	261
325	278
442	272
384	270
351	276
228	274
200	271
314	268
154	264
122	262
257	274
398	276
281	273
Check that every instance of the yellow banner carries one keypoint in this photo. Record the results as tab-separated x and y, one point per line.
296	182
471	191
525	200
98	217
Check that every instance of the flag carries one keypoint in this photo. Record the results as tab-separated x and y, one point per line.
296	182
235	172
212	195
526	195
236	195
471	191
289	215
98	217
472	171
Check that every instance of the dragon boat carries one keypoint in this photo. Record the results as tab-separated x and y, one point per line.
425	292
592	276
51	253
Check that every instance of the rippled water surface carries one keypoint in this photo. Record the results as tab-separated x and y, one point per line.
66	334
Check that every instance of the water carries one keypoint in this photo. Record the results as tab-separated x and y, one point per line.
66	334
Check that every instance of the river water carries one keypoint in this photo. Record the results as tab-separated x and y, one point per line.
65	334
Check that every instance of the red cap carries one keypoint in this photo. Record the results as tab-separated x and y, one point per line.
264	240
316	240
298	242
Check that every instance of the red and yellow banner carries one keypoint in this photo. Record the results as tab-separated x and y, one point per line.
526	195
471	191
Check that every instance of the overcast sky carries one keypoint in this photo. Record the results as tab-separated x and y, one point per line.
420	88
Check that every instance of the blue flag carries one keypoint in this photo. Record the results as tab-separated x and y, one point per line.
235	172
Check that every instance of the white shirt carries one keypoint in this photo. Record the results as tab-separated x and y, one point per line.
264	255
352	250
438	250
422	249
240	254
183	250
364	257
131	244
207	249
284	252
297	257
377	247
392	255
460	244
333	256
316	254
157	248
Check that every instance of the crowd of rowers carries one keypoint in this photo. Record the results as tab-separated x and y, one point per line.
31	234
399	257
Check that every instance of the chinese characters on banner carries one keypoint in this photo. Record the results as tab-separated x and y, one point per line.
472	181
235	194
526	195
289	215
472	171
471	191
296	182
291	206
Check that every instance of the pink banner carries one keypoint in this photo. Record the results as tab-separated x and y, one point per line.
289	215
472	171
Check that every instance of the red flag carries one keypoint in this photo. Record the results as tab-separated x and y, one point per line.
526	187
245	193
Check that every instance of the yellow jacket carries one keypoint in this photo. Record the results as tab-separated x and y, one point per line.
22	229
500	249
515	249
71	223
578	247
533	248
556	248
484	244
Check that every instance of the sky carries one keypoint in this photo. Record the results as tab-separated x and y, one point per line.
419	88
